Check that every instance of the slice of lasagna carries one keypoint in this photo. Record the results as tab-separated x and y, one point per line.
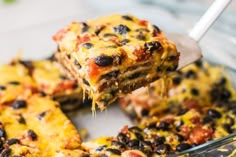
35	126
47	77
114	55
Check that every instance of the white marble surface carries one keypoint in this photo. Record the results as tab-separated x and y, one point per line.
28	25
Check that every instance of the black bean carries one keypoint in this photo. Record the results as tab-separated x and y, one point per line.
152	126
14	82
182	112
190	74
27	64
194	91
222	81
198	63
177	80
21	120
140	36
112	74
139	136
41	115
103	60
153	46
228	128
182	146
32	135
164	125
214	113
207	120
163	149
100	148
145	112
2	133
179	123
85	27
2	87
19	104
114	151
68	56
13	141
180	137
225	94
98	30
1	144
156	29
109	35
118	144
172	68
135	129
87	45
124	41
126	17
86	82
77	64
159	140
121	29
134	143
122	138
6	153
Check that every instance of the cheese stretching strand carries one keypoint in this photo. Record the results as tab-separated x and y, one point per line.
114	55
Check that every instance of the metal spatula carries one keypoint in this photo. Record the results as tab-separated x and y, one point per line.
188	45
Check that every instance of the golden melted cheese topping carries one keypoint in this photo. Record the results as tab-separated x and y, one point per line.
116	37
41	129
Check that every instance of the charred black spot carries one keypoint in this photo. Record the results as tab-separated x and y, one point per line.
156	29
126	17
85	27
98	30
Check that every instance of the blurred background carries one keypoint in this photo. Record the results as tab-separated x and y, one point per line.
27	26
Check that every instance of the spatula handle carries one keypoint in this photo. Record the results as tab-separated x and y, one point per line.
206	21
